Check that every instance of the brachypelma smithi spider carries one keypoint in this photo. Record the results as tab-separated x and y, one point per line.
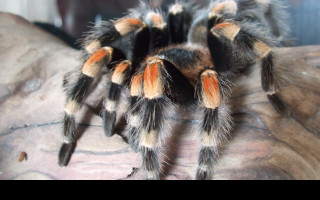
184	57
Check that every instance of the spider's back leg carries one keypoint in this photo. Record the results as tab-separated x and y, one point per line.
237	45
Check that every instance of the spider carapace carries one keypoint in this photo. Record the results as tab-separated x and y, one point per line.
185	56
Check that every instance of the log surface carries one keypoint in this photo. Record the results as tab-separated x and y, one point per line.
263	144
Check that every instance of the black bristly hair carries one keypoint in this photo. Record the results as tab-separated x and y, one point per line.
183	57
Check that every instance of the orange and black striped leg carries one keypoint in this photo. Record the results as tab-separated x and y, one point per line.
227	39
216	123
119	77
91	71
121	74
149	134
152	112
271	81
113	31
236	45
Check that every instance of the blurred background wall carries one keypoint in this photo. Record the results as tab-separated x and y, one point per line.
74	17
34	10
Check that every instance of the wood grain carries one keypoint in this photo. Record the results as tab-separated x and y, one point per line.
263	144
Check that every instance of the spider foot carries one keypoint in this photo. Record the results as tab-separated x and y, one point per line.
65	153
151	163
278	104
272	82
109	120
207	158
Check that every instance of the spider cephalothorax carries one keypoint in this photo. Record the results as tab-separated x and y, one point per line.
185	57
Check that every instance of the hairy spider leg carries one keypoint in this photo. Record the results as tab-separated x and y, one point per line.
101	54
216	123
233	47
120	76
90	73
113	31
270	86
151	111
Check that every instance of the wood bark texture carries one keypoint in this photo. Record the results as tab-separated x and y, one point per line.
263	144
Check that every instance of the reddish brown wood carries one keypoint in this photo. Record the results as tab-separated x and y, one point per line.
263	145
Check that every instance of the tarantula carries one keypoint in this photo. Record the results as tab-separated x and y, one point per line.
184	57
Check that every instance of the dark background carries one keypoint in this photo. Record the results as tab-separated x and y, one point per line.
77	15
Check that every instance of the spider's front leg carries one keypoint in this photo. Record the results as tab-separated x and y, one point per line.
90	73
101	54
148	114
216	123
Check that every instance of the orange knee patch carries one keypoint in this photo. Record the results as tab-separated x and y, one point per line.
261	49
134	22
127	25
153	86
228	30
136	85
93	46
119	74
93	65
222	25
157	20
211	97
